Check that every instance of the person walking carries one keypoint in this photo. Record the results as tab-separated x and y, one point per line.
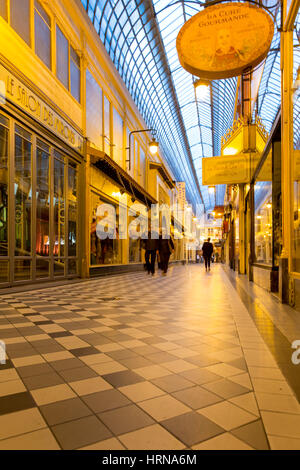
165	248
151	247
207	250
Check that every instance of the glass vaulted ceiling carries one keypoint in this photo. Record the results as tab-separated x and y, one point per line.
140	37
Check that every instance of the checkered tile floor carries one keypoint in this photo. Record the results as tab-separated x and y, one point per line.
135	362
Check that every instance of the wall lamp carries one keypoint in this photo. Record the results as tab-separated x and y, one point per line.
211	190
153	146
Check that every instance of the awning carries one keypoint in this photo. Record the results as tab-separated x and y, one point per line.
119	176
163	173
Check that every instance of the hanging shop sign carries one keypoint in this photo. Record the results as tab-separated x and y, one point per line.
16	92
224	40
229	169
234	169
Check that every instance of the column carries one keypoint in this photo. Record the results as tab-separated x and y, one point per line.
286	152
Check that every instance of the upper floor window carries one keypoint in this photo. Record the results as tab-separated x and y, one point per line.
38	35
67	64
75	73
3	9
20	18
62	57
42	26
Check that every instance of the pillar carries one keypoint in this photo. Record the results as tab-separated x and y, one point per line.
286	152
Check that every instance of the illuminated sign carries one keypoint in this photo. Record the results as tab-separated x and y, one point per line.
224	40
17	93
229	169
235	169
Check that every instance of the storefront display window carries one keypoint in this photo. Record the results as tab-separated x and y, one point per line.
135	251
43	199
104	250
137	230
72	209
263	214
4	123
41	246
59	205
42	208
23	191
237	233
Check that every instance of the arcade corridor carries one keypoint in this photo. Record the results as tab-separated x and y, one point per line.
134	362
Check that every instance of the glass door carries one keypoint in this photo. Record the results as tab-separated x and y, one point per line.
23	204
42	242
4	185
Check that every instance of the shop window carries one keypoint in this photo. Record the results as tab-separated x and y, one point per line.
59	206
105	247
42	268
42	32
23	192
72	266
4	124
3	9
75	74
263	214
135	251
137	229
62	57
22	270
31	217
42	200
20	18
118	138
107	132
72	209
236	234
93	111
4	266
59	267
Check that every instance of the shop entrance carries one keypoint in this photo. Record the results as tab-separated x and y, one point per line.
38	207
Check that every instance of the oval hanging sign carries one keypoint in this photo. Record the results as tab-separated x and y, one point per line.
223	40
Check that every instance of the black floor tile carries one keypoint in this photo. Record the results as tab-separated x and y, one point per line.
125	377
16	402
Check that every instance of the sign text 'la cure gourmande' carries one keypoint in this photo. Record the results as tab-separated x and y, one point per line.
223	40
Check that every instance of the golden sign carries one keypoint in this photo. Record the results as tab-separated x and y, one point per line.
16	92
229	169
224	40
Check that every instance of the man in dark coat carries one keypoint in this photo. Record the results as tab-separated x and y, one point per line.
165	248
151	247
207	251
